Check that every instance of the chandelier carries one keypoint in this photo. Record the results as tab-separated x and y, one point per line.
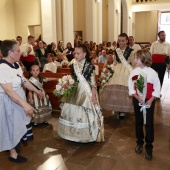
143	0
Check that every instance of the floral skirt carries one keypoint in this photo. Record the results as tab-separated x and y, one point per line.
116	98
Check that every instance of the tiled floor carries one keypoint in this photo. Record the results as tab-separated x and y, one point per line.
116	153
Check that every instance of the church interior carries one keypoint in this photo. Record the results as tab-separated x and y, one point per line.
97	21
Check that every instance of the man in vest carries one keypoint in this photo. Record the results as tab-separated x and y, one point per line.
160	49
27	53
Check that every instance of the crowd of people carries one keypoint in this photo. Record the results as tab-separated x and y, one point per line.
131	79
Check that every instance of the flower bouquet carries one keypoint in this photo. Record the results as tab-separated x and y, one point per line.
140	85
106	75
139	82
66	87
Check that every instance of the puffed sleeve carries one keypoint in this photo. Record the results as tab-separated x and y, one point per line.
93	80
131	59
5	76
131	84
156	85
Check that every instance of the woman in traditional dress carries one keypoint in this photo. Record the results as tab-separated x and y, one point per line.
81	118
115	94
15	112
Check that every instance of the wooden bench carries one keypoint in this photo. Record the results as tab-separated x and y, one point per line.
63	70
51	85
100	65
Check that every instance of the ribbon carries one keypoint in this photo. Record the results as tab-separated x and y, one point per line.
143	108
123	60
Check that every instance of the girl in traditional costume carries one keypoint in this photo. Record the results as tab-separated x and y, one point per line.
81	118
144	86
43	107
115	94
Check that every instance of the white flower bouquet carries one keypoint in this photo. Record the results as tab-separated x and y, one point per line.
66	87
106	75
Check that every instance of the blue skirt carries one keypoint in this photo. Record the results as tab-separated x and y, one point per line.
13	121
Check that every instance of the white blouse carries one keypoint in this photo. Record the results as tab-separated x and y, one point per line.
11	75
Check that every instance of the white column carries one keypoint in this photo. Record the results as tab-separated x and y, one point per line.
94	21
113	19
99	27
59	17
90	14
48	16
68	35
125	17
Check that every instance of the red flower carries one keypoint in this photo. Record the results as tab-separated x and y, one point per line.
134	78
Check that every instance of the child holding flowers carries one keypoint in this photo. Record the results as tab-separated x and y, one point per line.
144	86
81	118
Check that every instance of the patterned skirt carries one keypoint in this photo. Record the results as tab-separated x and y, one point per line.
80	124
43	109
116	98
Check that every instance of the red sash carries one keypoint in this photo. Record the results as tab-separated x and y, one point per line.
149	90
29	58
158	58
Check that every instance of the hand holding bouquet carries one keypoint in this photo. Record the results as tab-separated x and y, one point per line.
106	75
66	87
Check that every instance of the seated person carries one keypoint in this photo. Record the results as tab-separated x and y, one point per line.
60	60
96	67
93	56
103	57
50	66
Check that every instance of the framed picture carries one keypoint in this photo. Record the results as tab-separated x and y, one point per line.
78	35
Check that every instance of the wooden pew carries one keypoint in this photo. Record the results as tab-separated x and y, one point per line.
63	70
50	86
100	65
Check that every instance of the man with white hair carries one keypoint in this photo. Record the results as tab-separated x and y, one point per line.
103	57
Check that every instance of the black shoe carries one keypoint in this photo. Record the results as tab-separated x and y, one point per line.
121	115
19	159
139	149
148	155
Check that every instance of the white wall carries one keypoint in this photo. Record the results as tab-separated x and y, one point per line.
7	28
146	26
26	13
79	15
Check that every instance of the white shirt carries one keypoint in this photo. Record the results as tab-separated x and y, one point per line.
58	64
24	49
152	77
136	47
160	48
50	67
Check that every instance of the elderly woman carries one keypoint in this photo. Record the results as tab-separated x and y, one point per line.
15	112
